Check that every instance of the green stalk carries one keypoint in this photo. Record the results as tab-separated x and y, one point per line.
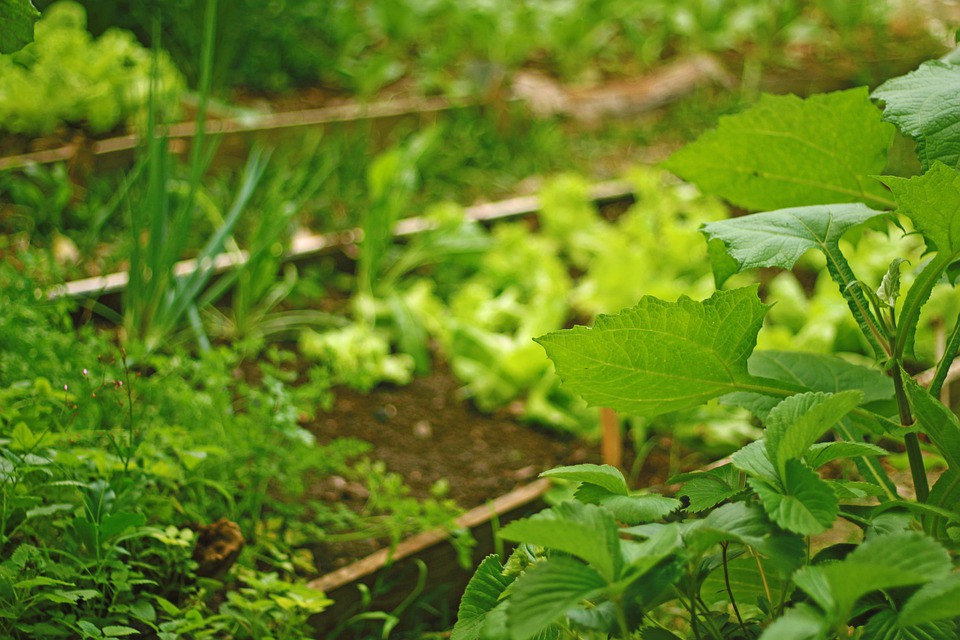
910	440
841	273
943	367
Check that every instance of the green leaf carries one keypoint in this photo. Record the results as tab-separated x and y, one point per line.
116	523
884	625
586	531
705	490
806	505
936	420
17	18
779	238
934	601
884	562
932	202
824	452
921	104
946	495
480	597
754	461
661	356
800	420
735	522
746	582
889	289
546	591
786	152
117	631
802	622
604	476
630	510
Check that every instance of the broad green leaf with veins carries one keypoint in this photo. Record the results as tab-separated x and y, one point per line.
779	238
800	420
814	151
923	105
661	356
481	596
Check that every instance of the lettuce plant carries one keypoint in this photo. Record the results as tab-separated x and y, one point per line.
735	558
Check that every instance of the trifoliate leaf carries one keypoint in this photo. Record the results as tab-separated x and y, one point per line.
17	18
546	591
604	476
481	596
586	531
922	104
800	420
787	152
884	562
661	356
734	522
806	504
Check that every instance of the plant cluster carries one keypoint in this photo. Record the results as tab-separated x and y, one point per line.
742	555
66	77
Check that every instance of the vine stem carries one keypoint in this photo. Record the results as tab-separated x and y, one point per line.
946	359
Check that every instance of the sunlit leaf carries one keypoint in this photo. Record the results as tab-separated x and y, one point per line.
785	151
604	476
922	105
805	505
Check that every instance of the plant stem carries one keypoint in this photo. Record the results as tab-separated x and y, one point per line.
622	619
910	440
726	580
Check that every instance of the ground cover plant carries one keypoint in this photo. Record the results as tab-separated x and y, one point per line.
736	554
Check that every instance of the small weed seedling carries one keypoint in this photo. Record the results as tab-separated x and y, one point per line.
734	560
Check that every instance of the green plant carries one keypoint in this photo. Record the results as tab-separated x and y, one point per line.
66	77
737	556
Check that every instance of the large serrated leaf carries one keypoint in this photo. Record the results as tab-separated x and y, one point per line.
661	356
802	622
923	105
546	591
481	596
805	505
17	18
586	531
786	152
932	202
753	460
884	562
800	420
603	475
